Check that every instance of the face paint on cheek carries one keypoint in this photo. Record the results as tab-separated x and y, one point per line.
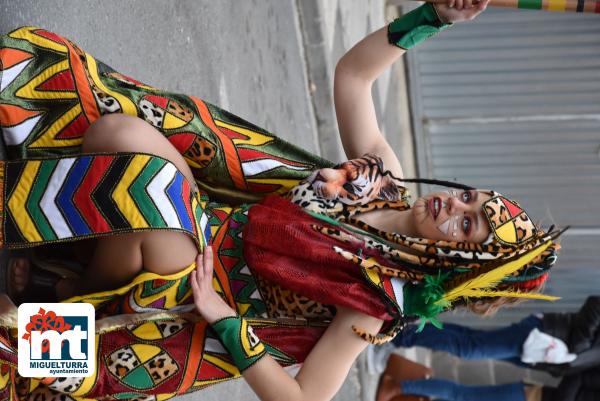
444	227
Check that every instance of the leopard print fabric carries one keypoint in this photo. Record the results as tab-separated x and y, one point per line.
284	303
510	224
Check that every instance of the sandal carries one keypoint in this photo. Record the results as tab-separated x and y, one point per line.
42	281
388	389
399	368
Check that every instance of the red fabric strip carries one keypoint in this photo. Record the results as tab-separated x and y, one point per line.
82	200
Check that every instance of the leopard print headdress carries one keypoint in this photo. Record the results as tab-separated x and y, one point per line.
509	223
513	260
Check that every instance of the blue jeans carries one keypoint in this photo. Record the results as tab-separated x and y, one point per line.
505	343
450	391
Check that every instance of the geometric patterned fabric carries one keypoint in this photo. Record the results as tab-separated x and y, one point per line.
509	223
51	91
60	199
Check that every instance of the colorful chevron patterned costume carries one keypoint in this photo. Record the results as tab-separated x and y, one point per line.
149	344
50	93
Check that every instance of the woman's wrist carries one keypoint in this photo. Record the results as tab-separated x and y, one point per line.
453	11
219	313
442	18
413	28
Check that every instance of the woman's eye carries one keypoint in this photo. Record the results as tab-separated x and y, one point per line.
466	197
466	225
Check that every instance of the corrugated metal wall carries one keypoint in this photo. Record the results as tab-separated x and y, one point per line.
511	101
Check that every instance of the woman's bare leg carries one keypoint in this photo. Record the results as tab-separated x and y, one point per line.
124	133
119	258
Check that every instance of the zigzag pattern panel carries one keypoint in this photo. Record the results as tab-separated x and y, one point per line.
72	197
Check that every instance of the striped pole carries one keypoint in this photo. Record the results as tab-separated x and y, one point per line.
576	6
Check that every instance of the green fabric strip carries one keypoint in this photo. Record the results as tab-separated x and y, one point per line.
138	190
415	27
530	4
33	202
239	339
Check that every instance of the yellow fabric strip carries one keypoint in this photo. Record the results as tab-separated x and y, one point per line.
29	91
140	278
18	199
47	138
27	34
123	198
127	105
254	138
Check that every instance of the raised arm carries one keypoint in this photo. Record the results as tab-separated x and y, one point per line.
354	76
325	368
360	66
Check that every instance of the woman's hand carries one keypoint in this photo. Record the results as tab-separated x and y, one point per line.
209	304
459	10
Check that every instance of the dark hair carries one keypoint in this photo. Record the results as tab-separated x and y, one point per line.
449	184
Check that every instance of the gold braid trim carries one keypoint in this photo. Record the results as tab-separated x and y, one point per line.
2	200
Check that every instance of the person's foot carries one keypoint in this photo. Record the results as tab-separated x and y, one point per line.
387	389
19	273
377	357
390	389
400	368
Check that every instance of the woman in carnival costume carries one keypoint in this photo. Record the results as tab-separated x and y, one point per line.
309	258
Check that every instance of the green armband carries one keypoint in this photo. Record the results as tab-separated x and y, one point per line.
239	339
416	26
